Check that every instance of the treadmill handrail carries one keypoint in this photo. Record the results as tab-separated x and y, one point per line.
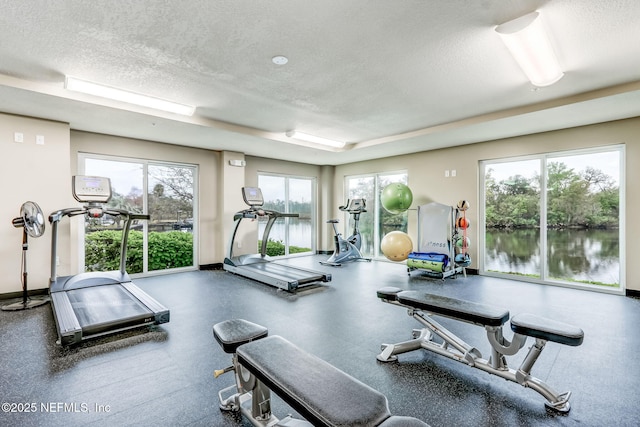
273	216
58	215
55	217
81	210
254	213
126	214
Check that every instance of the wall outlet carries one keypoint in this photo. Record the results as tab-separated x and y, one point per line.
40	139
18	137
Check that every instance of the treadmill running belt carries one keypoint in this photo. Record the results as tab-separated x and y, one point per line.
104	304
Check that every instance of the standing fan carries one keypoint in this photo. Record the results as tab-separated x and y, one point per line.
31	220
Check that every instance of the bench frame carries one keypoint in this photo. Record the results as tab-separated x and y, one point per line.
252	398
453	347
255	372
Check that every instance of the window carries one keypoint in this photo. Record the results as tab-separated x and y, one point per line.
288	194
166	192
556	218
376	222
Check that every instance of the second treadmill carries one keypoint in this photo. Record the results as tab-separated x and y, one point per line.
261	267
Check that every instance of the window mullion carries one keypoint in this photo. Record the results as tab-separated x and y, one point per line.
544	253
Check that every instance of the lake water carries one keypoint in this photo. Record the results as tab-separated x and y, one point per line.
574	255
299	232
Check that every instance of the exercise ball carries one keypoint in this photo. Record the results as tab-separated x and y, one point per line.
396	198
463	223
396	245
463	205
465	240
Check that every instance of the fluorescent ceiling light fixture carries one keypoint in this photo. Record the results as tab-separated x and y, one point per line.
529	44
315	139
77	85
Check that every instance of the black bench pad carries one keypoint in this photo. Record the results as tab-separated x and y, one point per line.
320	392
232	333
388	293
481	314
547	329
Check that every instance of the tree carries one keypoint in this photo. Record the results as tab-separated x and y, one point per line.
586	199
172	195
177	181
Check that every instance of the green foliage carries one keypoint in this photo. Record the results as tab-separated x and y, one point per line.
171	249
276	248
102	250
589	199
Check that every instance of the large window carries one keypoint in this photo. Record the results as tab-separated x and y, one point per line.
376	222
288	194
556	218
166	192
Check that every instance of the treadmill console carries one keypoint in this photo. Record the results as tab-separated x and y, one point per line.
252	196
91	189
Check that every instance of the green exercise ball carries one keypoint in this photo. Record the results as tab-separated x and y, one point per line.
396	245
396	198
463	240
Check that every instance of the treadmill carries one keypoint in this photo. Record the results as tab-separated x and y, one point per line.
93	304
261	267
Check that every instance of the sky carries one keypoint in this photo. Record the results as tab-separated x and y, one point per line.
123	175
608	162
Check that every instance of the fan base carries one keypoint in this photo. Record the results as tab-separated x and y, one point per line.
31	303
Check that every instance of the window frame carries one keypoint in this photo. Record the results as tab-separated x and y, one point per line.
82	157
375	208
544	159
314	209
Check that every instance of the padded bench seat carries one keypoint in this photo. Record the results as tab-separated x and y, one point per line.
320	392
547	329
234	332
480	314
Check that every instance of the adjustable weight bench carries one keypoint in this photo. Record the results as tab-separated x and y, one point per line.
323	394
423	306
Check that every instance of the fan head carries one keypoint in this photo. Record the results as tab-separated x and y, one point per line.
31	219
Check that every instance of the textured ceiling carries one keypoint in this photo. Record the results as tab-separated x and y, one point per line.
390	77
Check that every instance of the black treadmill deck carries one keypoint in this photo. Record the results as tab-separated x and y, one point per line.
101	308
104	305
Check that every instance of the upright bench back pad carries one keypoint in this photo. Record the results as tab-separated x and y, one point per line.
320	392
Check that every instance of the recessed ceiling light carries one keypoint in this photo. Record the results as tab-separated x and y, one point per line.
279	60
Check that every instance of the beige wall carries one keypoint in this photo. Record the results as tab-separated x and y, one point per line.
428	183
31	172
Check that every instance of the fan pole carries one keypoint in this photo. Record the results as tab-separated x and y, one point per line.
26	228
25	246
